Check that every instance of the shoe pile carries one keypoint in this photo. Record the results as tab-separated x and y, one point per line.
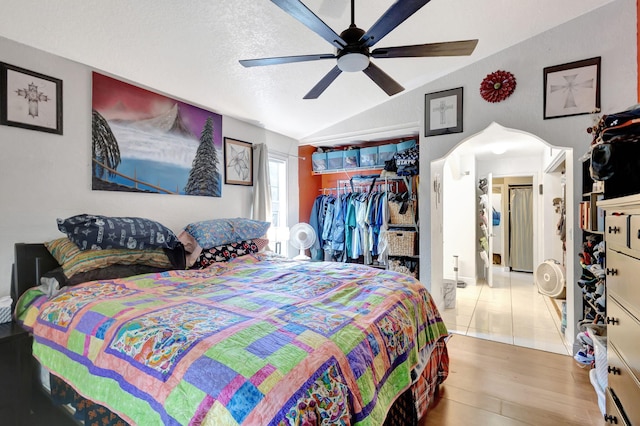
586	354
592	280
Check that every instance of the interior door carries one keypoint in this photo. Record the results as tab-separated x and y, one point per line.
490	227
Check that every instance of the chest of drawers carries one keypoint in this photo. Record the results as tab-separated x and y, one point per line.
622	240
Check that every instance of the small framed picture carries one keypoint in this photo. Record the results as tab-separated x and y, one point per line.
30	100
443	112
238	162
572	88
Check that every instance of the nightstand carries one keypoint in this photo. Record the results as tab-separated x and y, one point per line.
15	374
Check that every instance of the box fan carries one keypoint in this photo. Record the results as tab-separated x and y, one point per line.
550	279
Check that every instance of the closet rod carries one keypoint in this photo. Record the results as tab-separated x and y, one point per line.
289	154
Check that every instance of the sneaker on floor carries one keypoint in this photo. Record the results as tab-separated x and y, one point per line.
584	339
583	357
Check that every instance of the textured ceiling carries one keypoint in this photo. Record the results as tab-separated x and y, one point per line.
190	49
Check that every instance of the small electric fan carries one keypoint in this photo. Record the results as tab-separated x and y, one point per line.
302	237
549	277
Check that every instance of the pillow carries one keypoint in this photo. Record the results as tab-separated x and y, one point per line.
191	247
224	253
107	273
247	229
261	243
217	232
75	261
92	232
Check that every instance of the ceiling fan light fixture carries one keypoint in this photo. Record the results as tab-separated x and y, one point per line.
353	62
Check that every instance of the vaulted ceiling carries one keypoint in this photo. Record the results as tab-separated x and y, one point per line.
190	49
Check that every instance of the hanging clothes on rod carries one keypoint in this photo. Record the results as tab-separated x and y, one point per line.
349	222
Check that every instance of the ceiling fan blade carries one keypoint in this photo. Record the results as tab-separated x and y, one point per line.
323	84
382	79
394	16
299	11
449	48
284	60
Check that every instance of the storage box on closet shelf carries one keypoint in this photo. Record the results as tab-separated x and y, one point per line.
397	218
401	243
319	161
369	156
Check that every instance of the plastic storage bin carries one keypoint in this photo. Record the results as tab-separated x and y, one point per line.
369	156
405	145
386	153
351	158
335	160
319	161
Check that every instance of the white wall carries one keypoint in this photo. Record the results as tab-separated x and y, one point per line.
46	176
608	32
460	204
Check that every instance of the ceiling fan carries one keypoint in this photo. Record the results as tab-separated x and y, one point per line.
353	45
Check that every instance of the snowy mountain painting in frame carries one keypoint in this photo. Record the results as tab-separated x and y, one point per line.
146	142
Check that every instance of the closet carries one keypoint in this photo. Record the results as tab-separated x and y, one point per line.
366	214
369	219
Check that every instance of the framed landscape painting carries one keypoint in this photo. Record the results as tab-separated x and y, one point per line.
146	142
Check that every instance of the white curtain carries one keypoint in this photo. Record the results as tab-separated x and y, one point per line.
521	236
261	209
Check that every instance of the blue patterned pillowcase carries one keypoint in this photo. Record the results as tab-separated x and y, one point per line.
93	232
217	232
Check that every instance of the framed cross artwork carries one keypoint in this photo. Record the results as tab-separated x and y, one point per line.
572	88
443	112
30	100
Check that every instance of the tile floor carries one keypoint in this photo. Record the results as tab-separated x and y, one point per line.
512	311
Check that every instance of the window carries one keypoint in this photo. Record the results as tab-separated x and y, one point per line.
278	178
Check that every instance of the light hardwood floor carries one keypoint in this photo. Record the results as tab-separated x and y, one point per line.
497	384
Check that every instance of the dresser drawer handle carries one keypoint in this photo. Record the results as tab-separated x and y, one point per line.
612	271
613	370
610	419
614	229
613	321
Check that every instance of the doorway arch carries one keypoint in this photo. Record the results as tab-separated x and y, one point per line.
503	152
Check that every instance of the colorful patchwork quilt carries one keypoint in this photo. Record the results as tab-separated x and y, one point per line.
254	341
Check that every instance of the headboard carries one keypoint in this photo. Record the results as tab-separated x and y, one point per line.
30	263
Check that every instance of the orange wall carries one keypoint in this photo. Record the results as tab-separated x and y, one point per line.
310	184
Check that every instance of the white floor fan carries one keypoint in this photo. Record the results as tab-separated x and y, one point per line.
302	236
549	276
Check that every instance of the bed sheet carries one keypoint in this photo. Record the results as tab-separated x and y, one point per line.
254	341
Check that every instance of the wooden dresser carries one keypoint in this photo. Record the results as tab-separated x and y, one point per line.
622	239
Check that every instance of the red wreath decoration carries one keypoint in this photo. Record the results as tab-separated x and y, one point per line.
497	86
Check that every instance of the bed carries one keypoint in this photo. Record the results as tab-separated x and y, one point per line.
259	340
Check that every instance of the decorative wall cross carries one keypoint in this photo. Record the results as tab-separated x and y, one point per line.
442	109
34	97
